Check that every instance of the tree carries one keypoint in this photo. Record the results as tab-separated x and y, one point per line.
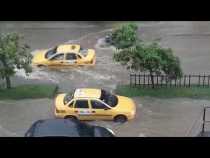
125	36
150	58
13	55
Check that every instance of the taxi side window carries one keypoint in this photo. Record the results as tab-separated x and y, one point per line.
97	105
71	104
71	56
58	57
83	104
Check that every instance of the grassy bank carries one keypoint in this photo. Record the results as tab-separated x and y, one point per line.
29	91
193	92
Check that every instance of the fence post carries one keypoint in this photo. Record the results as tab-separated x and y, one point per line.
184	80
175	82
199	80
148	77
144	80
166	81
157	79
139	80
204	119
208	81
135	79
189	80
130	79
161	80
204	80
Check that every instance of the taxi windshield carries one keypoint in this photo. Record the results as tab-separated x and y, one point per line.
51	52
68	97
109	98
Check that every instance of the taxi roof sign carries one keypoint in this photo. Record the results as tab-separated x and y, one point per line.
66	48
87	93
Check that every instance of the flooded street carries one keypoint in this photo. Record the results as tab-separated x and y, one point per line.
105	74
155	117
189	41
39	35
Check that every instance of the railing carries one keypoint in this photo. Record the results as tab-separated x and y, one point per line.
166	81
204	119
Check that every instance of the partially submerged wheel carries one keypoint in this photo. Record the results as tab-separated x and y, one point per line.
41	66
120	119
71	117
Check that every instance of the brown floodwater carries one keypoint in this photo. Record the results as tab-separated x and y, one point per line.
190	41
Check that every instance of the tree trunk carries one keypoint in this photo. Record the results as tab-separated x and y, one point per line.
8	82
152	79
7	78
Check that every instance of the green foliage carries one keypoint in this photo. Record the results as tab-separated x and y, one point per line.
192	92
13	55
137	55
125	36
29	91
150	58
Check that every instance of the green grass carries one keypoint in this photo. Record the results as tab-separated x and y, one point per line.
192	92
29	91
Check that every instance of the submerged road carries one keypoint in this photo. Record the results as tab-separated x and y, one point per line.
155	117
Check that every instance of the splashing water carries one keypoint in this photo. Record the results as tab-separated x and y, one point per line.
37	75
99	74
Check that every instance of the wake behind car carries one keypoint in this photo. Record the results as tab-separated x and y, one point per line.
64	55
94	104
66	128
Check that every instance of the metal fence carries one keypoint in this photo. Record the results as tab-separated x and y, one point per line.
144	80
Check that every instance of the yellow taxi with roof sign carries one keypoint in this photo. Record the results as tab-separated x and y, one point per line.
94	104
64	55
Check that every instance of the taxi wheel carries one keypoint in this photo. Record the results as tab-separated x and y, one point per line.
41	66
120	118
71	117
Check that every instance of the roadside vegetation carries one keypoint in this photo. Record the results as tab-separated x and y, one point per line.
125	36
150	58
142	56
29	91
14	55
192	92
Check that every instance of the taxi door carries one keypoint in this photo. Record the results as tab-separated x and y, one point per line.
56	60
82	109
70	59
100	111
70	109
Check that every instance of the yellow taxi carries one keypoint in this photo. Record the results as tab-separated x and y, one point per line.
64	55
94	104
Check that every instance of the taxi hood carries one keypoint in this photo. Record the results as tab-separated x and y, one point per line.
59	100
125	104
39	57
